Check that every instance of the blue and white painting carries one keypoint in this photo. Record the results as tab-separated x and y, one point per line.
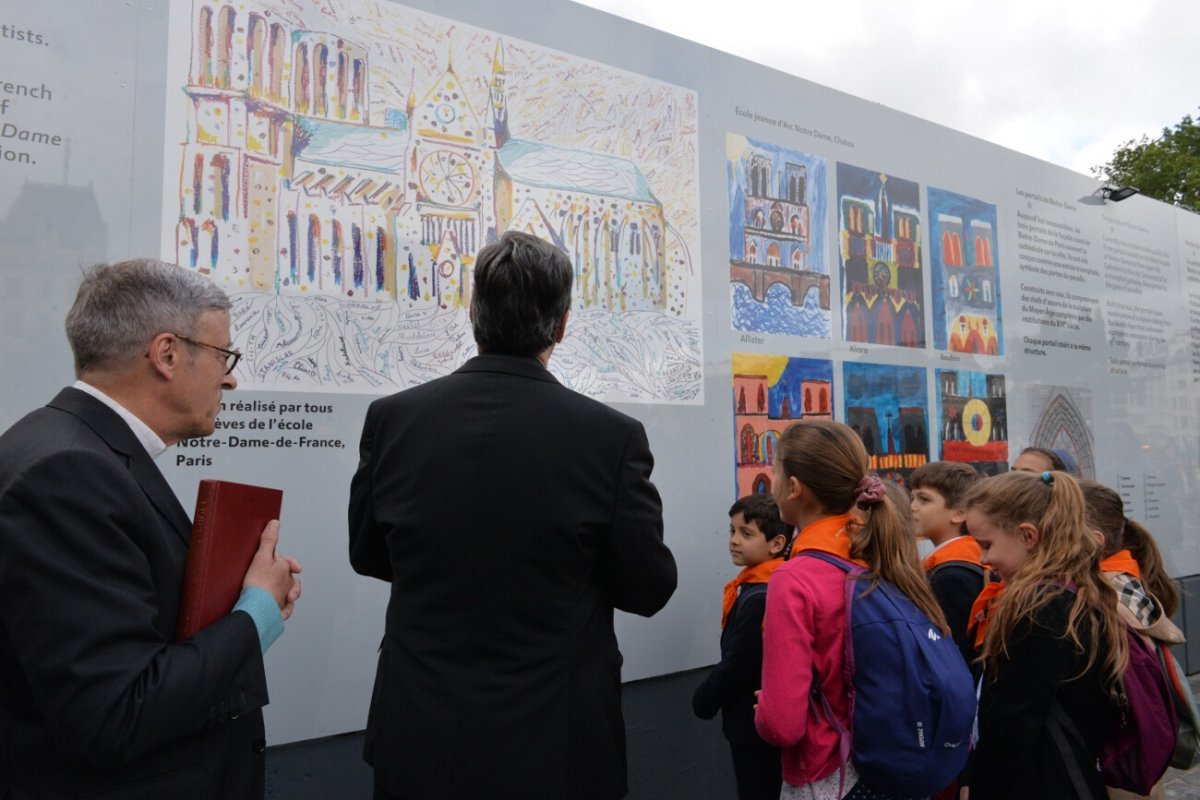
778	274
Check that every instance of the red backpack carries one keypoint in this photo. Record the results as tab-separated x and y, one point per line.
1139	748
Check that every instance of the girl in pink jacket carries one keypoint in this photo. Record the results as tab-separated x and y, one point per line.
820	475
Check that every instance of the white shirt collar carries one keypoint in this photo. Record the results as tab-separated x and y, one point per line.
149	439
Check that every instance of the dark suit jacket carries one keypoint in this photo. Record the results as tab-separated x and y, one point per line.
95	700
511	516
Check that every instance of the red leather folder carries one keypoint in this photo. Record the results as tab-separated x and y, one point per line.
227	526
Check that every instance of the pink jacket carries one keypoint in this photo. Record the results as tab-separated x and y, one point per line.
804	636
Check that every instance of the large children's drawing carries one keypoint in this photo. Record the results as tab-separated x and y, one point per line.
966	279
1062	420
973	419
885	405
778	275
879	220
769	394
339	166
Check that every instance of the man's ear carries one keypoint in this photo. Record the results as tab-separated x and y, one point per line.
958	516
165	353
562	328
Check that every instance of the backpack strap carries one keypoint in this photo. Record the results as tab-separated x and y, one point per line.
845	735
1060	725
837	561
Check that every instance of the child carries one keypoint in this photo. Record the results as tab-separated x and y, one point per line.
1130	551
821	474
1133	565
1039	460
953	569
758	539
1053	642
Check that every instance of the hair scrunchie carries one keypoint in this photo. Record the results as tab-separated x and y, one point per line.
1047	478
869	492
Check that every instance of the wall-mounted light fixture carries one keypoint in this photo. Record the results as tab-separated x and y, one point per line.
1114	193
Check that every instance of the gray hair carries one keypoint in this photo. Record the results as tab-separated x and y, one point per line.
121	307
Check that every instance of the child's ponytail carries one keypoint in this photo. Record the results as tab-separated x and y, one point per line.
1145	551
1106	513
829	458
886	542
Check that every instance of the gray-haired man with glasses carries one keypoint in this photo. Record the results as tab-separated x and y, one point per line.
96	699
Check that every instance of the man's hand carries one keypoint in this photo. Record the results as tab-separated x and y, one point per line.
275	573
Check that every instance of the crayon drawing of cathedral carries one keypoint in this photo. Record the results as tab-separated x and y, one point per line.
879	219
340	169
778	274
966	281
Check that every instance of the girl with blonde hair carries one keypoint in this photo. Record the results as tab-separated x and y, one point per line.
820	477
1053	643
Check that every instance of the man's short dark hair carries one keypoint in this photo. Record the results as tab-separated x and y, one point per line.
950	479
521	292
761	509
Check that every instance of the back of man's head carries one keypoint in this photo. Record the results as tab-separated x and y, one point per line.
121	307
521	292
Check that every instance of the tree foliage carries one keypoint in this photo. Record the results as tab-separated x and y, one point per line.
1166	168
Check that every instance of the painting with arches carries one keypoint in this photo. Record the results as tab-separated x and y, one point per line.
879	244
778	273
973	419
886	406
1062	420
771	392
965	263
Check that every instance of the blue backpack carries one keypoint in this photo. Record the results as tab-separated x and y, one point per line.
912	699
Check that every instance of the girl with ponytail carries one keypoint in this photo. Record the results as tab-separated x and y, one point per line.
1147	596
1053	642
820	477
1129	550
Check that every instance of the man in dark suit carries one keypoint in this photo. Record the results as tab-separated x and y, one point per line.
96	699
511	516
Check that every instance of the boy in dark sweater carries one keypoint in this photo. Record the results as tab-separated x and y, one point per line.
953	568
758	540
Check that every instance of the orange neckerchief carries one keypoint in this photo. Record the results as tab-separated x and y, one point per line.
960	548
759	573
1121	561
978	621
829	535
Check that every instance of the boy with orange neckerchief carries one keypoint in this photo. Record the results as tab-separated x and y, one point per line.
953	568
758	539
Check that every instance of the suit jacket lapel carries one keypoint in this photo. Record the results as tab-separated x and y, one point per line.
109	426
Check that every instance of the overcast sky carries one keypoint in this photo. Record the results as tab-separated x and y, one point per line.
1062	80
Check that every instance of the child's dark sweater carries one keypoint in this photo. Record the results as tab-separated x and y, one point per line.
730	686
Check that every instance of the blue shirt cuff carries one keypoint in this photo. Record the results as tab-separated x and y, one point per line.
262	608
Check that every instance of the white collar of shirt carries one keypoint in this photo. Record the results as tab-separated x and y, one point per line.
943	544
149	439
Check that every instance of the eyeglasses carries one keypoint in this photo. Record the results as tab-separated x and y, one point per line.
231	356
